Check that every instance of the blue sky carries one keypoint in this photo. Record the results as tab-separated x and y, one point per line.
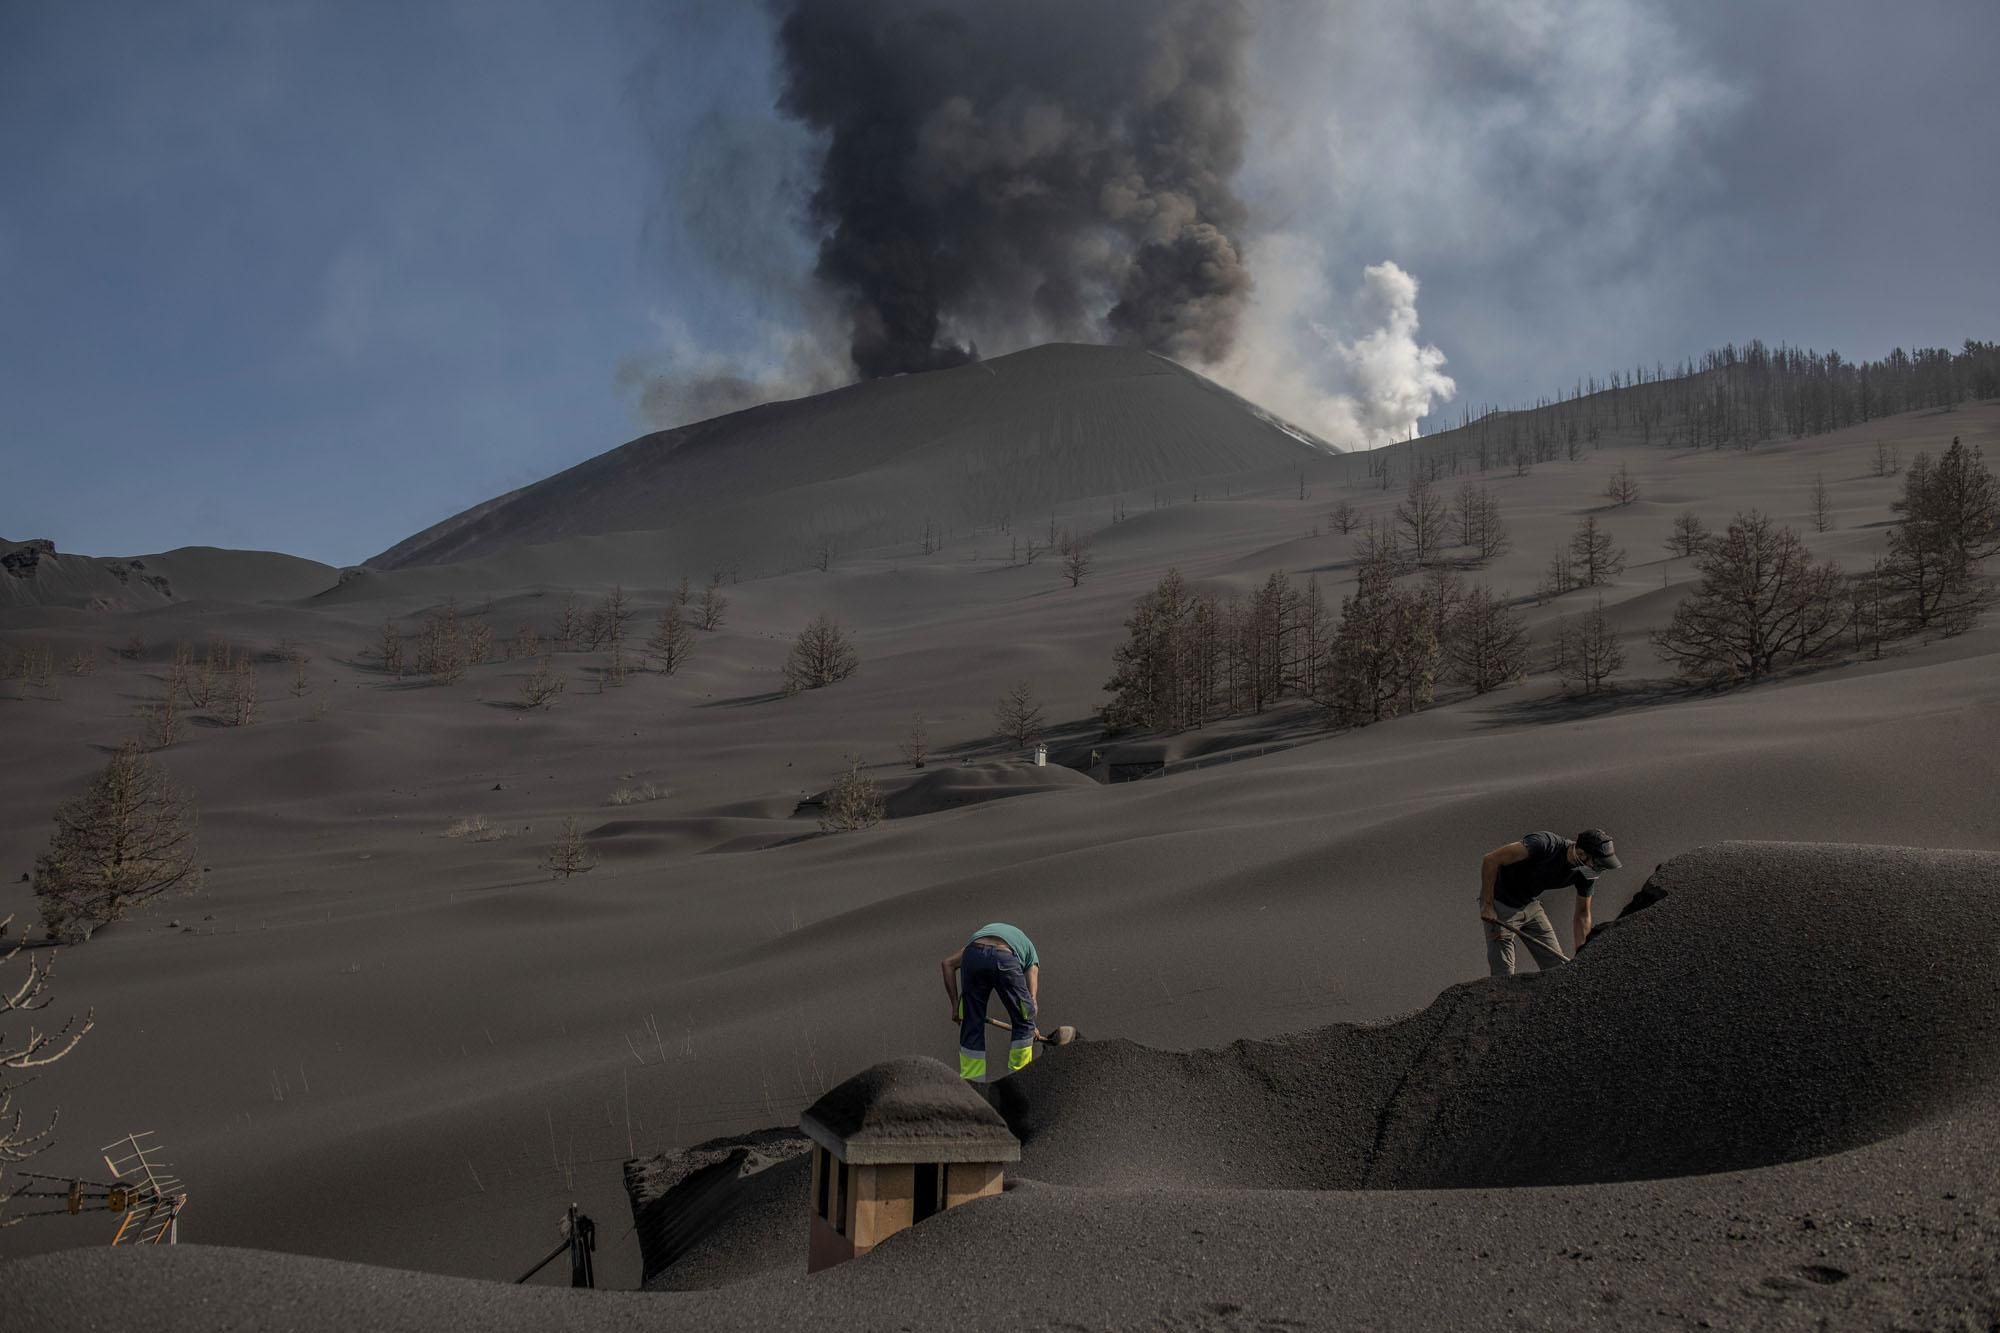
310	276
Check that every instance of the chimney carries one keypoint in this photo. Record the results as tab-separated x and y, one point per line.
894	1145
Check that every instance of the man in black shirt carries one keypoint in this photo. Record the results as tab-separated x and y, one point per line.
1512	879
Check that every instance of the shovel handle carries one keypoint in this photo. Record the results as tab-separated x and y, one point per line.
1009	1027
1522	936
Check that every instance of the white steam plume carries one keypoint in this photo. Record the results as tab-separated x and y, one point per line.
1354	394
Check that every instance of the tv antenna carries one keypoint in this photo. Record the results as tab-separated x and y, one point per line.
147	1197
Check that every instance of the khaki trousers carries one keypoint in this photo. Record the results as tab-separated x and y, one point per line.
1536	933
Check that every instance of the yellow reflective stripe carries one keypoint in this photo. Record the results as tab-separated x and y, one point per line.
1018	1056
970	1066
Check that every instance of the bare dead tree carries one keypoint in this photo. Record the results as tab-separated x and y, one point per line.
672	641
1378	544
1076	558
241	705
1383	658
1623	487
1420	520
852	802
1821	505
1343	517
917	745
34	1050
569	855
164	724
125	841
822	555
1480	525
1689	536
821	655
608	621
389	647
1018	714
1593	555
526	643
1950	527
1592	653
542	685
1488	644
710	609
1558	577
1761	604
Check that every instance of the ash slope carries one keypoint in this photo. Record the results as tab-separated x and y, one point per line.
1781	1001
862	466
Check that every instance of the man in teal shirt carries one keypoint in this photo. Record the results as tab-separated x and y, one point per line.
998	958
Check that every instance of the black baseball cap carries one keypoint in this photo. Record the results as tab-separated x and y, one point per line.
1596	844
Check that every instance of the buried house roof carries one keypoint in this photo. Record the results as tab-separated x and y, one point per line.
909	1110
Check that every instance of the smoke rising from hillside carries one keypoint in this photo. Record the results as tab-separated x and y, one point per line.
1024	171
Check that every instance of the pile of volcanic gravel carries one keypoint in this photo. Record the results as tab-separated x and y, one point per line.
1776	1001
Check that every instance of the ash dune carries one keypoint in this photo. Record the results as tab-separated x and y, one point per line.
35	574
378	1037
1837	1120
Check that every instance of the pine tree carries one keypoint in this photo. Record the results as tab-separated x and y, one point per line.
1384	657
1951	525
1166	671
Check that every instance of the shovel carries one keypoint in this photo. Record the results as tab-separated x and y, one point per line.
1062	1036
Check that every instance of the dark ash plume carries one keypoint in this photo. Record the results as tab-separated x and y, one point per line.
1023	170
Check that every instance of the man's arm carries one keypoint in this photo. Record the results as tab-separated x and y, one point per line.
1579	926
950	969
1489	875
1035	986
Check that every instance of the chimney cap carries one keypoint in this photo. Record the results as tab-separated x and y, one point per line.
909	1110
